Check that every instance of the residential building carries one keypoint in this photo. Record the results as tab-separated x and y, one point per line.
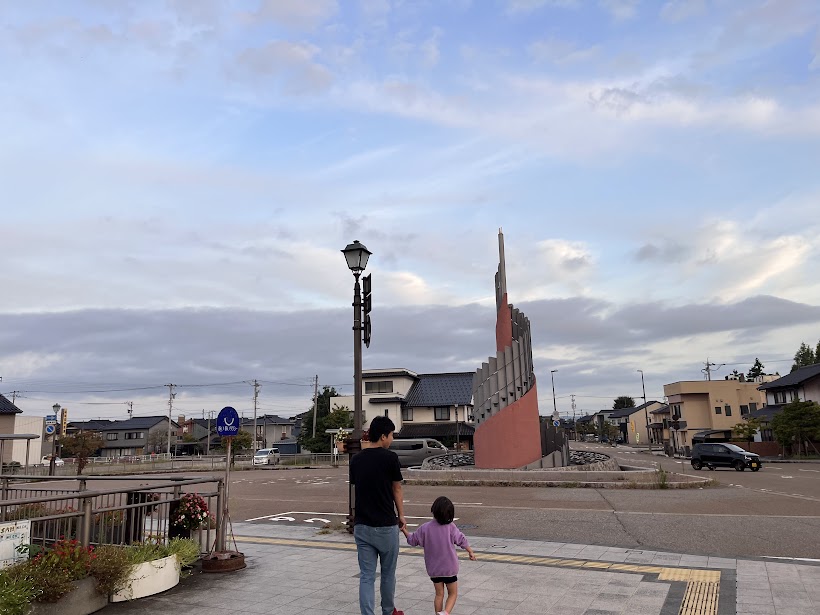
272	430
136	436
802	384
436	406
12	422
633	422
707	405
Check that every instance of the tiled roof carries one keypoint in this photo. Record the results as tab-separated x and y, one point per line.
6	407
766	413
367	375
139	422
268	419
797	377
386	400
441	390
435	430
661	410
624	412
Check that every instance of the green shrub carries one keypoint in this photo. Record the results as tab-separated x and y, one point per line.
111	567
16	591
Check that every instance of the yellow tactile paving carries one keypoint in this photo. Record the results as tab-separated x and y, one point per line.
702	586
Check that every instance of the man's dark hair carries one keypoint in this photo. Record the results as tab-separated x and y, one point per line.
443	510
380	426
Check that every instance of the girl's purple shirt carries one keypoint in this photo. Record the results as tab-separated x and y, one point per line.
438	542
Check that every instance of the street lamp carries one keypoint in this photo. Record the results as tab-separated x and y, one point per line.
646	413
554	405
53	462
356	255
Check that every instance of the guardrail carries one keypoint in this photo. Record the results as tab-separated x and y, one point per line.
122	515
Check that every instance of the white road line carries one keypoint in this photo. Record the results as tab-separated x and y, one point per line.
793	559
802	470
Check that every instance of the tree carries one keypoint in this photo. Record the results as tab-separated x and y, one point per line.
747	428
611	432
157	441
804	357
321	443
756	370
338	418
624	401
799	422
81	446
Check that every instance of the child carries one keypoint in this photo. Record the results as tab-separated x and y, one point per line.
438	538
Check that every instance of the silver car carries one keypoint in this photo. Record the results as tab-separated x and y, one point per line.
412	452
266	457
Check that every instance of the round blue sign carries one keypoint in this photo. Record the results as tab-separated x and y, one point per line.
50	429
556	423
227	423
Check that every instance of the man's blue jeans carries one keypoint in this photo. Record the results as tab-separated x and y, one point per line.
377	543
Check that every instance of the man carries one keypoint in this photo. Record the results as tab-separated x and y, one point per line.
376	474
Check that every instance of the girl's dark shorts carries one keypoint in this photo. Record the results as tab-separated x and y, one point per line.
445	580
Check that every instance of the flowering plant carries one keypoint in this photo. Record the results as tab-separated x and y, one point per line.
191	513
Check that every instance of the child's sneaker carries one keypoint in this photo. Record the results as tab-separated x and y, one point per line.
397	612
442	613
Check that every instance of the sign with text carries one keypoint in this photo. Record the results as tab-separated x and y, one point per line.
227	423
12	535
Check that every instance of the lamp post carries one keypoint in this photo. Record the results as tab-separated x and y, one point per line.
646	413
554	405
53	462
356	255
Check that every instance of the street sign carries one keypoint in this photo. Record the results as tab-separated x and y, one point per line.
556	423
12	536
50	429
51	419
227	423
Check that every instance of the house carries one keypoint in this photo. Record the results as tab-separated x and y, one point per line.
802	384
708	405
660	427
436	406
634	422
12	423
136	436
271	429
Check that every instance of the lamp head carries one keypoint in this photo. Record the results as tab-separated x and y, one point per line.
356	255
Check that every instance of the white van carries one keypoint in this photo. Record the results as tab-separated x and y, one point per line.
412	452
266	457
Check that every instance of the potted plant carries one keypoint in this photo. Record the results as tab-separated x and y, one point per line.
188	515
156	567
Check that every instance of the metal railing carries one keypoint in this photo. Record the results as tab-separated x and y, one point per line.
121	515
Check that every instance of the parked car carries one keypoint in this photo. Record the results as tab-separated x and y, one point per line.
726	455
266	457
412	452
46	460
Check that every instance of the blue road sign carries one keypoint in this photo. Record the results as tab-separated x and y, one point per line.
50	429
51	419
227	423
556	423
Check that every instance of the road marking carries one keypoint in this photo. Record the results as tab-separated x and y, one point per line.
802	470
787	477
312	519
794	559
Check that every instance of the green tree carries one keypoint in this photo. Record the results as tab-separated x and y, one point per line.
81	446
799	422
240	444
804	357
611	431
747	429
623	401
755	370
305	438
338	418
157	441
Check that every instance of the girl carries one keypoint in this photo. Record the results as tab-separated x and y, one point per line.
438	539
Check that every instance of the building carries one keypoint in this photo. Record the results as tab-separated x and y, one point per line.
633	422
136	436
802	384
707	405
436	406
271	429
12	423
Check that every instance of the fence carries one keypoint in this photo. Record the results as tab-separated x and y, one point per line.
122	515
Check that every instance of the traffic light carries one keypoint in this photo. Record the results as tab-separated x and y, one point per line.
63	421
368	305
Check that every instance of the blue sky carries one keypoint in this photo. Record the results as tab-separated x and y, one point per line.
202	162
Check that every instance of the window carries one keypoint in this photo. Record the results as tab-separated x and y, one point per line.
744	410
728	410
718	410
406	414
135	435
383	386
442	413
752	406
783	397
676	414
386	412
111	436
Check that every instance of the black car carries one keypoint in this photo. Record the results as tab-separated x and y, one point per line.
724	455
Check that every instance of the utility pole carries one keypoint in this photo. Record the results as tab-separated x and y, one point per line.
315	402
708	368
130	405
574	423
208	449
171	396
255	400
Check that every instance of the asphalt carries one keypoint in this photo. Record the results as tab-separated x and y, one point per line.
296	570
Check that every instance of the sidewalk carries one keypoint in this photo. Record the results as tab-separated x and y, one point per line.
296	571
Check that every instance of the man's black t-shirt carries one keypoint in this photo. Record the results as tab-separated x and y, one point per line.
373	471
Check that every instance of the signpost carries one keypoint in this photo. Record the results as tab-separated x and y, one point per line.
227	426
50	429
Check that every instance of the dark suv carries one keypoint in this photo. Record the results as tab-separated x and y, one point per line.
724	455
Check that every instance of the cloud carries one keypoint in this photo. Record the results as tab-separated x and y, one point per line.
296	14
528	6
561	52
621	10
680	10
570	256
292	63
665	252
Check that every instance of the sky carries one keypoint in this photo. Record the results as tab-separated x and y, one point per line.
178	177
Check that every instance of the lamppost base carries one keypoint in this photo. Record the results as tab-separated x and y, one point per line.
352	446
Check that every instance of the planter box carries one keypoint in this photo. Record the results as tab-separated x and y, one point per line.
81	601
150	578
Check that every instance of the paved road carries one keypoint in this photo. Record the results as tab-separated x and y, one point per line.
722	521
